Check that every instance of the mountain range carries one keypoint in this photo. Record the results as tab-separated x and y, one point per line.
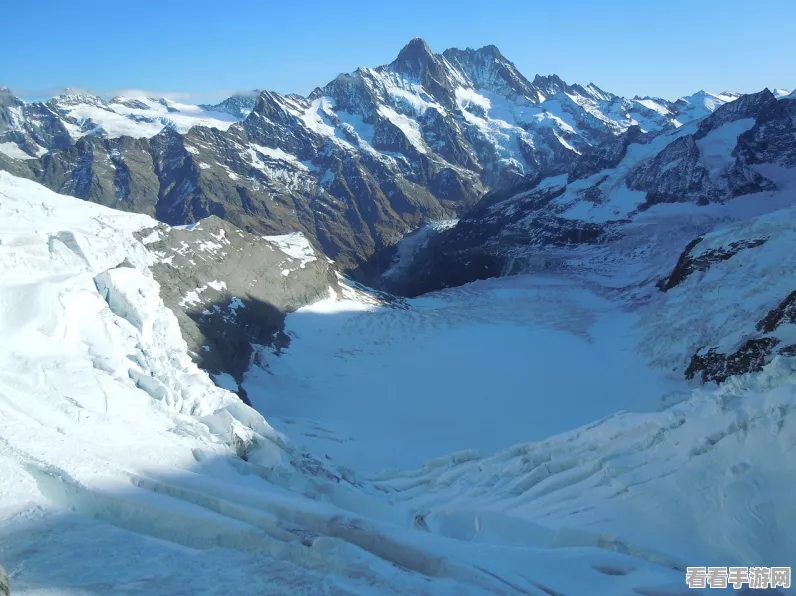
356	165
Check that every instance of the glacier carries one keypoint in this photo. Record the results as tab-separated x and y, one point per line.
511	436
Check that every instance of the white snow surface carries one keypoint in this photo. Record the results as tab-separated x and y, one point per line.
409	127
11	150
446	371
701	104
296	246
624	452
715	148
581	466
115	119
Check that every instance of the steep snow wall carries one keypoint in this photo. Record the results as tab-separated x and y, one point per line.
77	293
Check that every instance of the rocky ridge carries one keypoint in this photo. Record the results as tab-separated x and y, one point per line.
230	290
744	147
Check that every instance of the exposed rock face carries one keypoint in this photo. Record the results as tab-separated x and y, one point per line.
714	366
674	175
487	68
487	242
239	105
117	173
230	289
771	139
33	128
5	588
722	157
753	355
606	156
752	322
784	313
681	172
688	263
752	105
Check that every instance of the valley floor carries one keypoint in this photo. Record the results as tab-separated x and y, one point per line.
482	367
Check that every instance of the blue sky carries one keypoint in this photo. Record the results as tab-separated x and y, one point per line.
205	49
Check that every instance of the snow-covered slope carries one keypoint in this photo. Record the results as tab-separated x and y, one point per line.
123	468
116	447
30	129
133	116
239	105
701	104
77	292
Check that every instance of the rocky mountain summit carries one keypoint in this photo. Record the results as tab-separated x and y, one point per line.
238	105
360	162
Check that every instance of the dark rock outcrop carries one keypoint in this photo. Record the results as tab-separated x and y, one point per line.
605	156
231	290
784	313
688	262
752	106
487	241
118	173
754	354
771	140
675	175
714	366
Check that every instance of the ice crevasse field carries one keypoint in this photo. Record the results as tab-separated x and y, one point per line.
523	435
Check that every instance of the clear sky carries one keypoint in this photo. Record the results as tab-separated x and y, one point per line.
203	50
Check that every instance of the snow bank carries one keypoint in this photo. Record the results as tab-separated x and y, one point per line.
76	293
136	116
296	246
694	482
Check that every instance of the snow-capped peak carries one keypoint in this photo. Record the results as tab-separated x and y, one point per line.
71	97
414	58
489	70
239	104
550	84
709	100
701	104
598	93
